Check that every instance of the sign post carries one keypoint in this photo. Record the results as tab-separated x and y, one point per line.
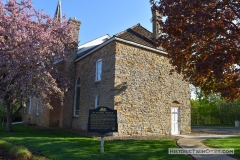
102	143
102	120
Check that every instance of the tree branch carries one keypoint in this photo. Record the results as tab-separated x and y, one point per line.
236	13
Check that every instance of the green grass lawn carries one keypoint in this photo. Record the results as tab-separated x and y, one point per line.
233	142
59	145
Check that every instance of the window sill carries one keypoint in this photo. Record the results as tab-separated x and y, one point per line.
96	82
76	116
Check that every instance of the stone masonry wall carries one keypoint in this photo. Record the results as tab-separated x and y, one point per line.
86	70
66	110
31	117
60	115
145	92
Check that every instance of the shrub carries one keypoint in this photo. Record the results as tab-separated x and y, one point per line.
6	145
20	152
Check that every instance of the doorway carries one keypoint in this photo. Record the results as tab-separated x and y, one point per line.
175	123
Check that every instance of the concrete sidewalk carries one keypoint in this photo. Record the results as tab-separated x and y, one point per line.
195	142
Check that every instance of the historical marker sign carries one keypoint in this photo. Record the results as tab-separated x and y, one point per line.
102	120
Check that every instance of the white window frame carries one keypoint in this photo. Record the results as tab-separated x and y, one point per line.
75	98
98	76
30	105
96	101
37	107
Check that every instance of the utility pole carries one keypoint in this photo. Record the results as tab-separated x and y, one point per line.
236	112
236	121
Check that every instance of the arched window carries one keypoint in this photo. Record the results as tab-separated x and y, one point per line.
30	105
77	97
98	70
37	107
96	101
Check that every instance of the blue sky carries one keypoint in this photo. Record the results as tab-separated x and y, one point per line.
100	17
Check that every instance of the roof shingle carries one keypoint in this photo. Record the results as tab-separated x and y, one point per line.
138	34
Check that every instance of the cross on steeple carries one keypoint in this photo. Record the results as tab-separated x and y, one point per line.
58	13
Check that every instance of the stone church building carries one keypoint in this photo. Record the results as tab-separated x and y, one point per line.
127	73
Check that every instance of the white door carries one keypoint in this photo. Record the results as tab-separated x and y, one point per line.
175	120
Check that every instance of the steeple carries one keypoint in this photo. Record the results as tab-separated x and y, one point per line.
58	13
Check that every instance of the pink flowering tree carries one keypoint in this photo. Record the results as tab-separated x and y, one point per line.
30	42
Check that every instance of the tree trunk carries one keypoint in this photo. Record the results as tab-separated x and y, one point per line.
9	118
9	123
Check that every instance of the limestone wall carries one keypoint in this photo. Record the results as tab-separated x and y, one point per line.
137	83
86	69
60	115
145	92
64	112
42	119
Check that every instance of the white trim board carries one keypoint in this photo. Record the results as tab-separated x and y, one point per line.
121	40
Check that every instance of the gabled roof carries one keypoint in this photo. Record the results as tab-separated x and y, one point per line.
82	53
87	47
138	34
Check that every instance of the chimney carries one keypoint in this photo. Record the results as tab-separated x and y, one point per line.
155	25
58	15
77	23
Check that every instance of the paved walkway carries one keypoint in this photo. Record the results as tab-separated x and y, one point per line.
195	142
200	133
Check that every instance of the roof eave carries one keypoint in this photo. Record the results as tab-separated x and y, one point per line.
121	40
140	45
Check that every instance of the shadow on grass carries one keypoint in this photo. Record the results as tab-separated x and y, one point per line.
62	145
